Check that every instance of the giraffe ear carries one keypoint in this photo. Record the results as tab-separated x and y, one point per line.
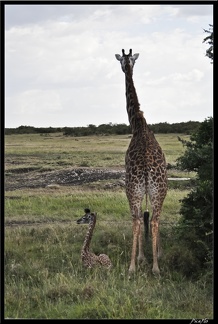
118	57
135	56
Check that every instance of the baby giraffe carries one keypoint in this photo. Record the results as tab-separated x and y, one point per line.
90	259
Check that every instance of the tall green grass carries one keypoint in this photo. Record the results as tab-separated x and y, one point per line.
58	151
44	276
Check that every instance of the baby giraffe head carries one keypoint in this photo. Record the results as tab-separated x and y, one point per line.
127	60
87	218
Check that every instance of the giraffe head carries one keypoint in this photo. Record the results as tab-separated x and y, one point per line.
87	218
127	60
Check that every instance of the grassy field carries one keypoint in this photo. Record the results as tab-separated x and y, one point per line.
58	151
44	277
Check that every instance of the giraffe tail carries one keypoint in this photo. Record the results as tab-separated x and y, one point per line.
146	225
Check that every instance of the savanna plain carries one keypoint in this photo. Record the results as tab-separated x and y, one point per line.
49	180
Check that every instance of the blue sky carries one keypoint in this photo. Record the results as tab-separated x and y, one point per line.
61	69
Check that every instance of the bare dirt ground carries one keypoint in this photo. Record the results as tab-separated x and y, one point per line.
26	178
33	178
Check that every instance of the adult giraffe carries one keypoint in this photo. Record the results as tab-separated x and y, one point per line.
145	168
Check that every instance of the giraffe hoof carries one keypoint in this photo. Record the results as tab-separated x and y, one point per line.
131	275
131	272
156	271
141	259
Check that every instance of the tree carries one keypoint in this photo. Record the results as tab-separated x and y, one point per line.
198	156
195	229
209	40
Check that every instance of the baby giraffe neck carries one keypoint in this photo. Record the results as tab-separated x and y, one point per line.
89	233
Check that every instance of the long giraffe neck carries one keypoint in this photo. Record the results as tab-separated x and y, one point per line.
135	115
89	233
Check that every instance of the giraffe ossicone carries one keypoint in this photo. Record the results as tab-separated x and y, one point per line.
145	166
89	259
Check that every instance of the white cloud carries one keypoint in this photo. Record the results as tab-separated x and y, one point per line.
61	68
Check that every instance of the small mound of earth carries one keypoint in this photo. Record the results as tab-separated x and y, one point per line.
71	177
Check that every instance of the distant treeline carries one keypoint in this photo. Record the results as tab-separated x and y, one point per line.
106	129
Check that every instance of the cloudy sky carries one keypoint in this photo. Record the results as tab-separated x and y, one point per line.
61	70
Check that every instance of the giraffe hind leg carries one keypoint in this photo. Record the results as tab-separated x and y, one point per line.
155	244
136	228
141	256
